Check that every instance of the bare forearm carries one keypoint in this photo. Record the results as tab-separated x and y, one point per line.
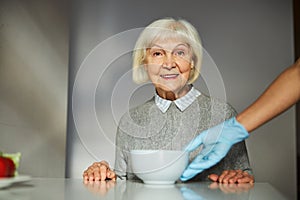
278	97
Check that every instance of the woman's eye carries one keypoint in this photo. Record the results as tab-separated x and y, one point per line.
157	53
179	53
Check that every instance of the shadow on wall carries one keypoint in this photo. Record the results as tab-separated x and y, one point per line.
33	81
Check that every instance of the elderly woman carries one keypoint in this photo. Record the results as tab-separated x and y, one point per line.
169	54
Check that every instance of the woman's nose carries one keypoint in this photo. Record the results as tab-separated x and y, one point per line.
169	62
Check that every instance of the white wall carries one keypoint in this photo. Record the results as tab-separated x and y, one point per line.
251	42
33	84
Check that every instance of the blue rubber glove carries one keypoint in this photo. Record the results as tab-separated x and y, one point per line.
216	142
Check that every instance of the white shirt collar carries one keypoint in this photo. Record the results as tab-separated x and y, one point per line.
182	103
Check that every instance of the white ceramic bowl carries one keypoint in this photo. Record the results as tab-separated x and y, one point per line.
158	166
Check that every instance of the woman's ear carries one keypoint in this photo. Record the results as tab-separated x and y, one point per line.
145	67
192	64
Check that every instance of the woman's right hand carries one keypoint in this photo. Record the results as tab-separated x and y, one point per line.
99	171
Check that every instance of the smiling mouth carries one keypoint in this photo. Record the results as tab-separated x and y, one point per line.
169	76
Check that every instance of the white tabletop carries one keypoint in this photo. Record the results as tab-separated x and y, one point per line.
73	189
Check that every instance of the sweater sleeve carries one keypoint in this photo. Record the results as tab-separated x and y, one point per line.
120	156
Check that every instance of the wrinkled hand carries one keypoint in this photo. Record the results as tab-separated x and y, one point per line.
99	171
216	142
232	176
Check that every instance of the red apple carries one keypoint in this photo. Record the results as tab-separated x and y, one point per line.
7	167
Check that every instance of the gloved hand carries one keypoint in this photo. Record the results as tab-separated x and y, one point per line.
216	142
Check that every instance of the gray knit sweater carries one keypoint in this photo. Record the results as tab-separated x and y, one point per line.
146	127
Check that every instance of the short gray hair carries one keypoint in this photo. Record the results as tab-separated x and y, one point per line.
164	29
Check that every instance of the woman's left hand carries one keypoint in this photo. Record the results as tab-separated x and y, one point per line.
232	176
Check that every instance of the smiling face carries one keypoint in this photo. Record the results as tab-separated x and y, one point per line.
168	64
